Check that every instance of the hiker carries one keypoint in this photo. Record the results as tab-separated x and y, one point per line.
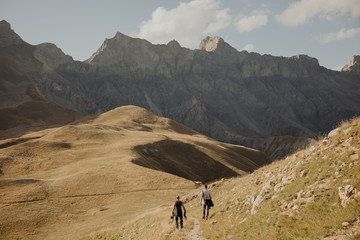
206	201
178	213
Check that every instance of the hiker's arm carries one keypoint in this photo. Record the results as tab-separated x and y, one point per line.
183	206
173	208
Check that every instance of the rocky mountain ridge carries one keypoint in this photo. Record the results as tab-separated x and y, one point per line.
354	64
21	104
50	55
8	36
237	97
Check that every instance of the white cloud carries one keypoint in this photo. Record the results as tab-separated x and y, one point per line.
301	11
186	23
249	23
340	35
222	21
249	47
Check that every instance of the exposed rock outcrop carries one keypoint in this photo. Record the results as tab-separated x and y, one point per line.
354	64
8	36
210	44
50	55
256	201
348	194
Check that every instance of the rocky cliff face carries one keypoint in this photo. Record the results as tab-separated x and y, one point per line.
17	64
7	36
50	55
210	44
237	97
354	64
22	70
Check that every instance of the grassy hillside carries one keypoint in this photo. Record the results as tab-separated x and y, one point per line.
66	182
312	194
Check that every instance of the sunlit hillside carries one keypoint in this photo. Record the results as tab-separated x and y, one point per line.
102	173
312	194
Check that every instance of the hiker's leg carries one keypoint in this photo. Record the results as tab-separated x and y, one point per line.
204	206
207	212
181	221
176	221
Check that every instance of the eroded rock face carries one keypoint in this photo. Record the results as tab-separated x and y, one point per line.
137	58
354	64
7	35
16	64
50	55
210	44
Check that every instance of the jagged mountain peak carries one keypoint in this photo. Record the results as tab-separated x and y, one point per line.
121	37
174	44
210	44
122	49
354	64
51	55
4	25
112	48
8	36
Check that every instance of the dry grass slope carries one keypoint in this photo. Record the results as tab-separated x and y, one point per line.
312	194
296	198
66	182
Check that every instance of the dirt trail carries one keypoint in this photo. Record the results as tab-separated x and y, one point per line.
195	233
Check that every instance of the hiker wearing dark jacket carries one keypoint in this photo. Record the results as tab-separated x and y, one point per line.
178	212
205	201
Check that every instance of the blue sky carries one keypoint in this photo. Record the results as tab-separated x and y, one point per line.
328	30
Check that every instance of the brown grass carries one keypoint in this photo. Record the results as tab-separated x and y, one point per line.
231	218
85	180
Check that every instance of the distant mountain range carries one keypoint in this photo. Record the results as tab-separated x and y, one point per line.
274	104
